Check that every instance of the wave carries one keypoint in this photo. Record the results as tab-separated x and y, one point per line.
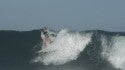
98	47
93	49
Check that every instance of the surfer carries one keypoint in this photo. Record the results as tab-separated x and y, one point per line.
46	39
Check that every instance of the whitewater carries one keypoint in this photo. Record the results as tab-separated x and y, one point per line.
65	48
99	46
114	52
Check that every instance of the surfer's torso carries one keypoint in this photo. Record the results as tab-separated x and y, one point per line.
46	34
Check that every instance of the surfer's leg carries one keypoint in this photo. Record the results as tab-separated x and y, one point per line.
49	40
44	42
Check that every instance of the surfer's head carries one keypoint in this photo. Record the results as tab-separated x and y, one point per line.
45	28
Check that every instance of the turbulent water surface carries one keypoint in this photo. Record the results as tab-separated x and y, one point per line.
70	50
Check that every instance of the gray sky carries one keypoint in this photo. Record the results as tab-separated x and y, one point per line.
57	14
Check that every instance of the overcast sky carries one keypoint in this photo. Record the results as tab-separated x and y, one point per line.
57	14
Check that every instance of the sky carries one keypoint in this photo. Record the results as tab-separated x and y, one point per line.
80	15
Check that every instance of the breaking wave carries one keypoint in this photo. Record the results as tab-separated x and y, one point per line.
97	47
114	51
66	47
70	50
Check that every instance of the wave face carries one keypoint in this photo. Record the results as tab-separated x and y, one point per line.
66	47
70	50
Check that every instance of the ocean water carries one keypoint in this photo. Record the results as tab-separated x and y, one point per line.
70	50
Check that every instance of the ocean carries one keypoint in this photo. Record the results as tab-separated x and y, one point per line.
70	50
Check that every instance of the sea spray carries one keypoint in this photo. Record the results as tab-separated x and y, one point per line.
65	48
114	50
117	53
